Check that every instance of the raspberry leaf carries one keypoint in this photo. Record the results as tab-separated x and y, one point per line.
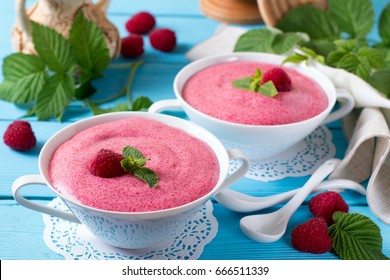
384	25
54	96
265	40
91	50
26	75
356	237
141	103
53	48
356	17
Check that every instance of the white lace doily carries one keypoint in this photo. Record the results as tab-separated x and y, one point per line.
300	160
74	241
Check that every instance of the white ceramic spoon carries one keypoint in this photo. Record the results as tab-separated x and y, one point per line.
244	203
271	227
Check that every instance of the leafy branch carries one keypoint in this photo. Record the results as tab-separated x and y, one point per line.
332	38
62	71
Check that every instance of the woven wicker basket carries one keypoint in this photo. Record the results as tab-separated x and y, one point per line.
253	11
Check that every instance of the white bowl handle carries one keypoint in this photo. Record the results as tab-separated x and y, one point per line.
239	173
165	105
37	179
346	106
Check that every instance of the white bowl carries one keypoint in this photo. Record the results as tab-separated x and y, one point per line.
257	141
129	229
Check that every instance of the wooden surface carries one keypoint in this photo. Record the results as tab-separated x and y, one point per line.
21	229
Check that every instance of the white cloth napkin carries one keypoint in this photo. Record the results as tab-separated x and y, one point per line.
366	128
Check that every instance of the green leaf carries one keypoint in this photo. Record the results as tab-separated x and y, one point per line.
381	81
84	90
384	25
268	89
310	20
18	65
257	40
265	40
355	237
55	96
27	74
96	110
356	65
53	48
355	17
374	56
321	46
334	58
285	42
6	91
243	83
147	175
296	58
133	152
141	103
90	46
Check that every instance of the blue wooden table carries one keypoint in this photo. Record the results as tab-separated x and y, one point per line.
21	229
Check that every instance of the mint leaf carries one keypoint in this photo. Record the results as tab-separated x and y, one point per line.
147	175
243	83
310	20
130	151
265	40
90	47
53	48
355	17
55	96
356	237
134	163
268	89
384	25
321	46
141	103
381	81
96	110
253	83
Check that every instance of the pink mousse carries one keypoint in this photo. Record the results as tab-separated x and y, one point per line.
187	167
211	92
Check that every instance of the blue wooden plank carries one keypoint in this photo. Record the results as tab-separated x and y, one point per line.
21	236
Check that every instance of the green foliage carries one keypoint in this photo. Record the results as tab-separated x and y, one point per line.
336	37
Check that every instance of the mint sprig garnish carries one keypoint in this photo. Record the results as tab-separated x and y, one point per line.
332	38
134	162
253	83
356	237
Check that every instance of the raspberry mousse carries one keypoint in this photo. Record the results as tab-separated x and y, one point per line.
211	91
187	168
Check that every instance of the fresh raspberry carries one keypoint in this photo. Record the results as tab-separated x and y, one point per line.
141	23
312	237
323	205
107	164
19	136
163	39
279	77
132	46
